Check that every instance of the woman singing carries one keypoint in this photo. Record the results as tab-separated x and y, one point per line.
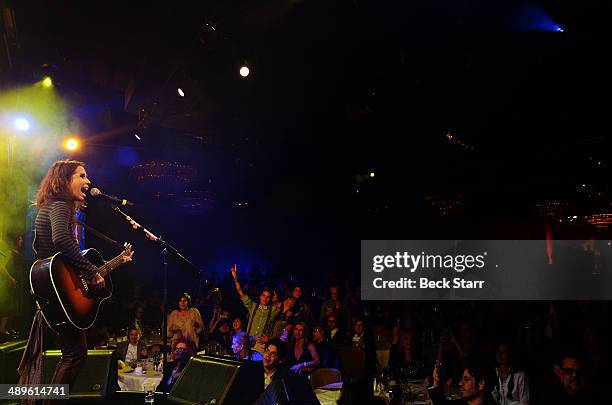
61	194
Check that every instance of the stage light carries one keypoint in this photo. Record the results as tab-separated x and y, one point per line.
47	82
137	137
22	124
372	174
244	71
71	144
558	29
181	92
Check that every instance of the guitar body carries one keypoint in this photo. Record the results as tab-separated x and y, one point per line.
63	295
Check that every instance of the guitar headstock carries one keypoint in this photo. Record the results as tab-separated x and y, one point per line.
127	247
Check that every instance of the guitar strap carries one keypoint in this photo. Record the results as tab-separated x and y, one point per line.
100	234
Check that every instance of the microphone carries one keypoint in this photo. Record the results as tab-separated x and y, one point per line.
95	192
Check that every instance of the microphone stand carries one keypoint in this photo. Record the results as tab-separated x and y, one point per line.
165	247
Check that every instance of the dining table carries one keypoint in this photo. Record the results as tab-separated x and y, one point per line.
132	381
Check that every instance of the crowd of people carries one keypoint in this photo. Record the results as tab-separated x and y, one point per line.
512	352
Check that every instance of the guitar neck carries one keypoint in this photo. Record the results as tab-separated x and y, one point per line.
111	265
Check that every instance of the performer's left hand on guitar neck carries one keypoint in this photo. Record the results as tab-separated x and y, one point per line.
128	257
97	281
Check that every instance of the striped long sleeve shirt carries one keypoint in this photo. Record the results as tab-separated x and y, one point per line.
54	234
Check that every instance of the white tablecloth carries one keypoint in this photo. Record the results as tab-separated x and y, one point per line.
135	382
327	397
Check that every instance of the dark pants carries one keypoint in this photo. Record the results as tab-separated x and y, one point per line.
74	351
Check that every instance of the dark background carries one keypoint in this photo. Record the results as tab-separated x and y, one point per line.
338	89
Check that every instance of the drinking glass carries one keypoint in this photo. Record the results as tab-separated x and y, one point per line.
149	390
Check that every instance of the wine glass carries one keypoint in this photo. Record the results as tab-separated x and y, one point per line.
156	360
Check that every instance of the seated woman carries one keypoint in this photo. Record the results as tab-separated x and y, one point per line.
302	357
184	349
404	362
222	336
133	348
237	325
241	346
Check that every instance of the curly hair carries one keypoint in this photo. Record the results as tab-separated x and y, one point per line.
191	347
55	186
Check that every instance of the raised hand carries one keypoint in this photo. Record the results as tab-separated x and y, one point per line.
234	270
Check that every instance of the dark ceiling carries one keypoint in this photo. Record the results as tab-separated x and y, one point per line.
339	89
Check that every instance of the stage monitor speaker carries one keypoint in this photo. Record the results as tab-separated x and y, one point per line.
97	376
10	356
218	380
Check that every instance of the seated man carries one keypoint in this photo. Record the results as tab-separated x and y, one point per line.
138	320
475	388
133	348
282	386
573	387
241	348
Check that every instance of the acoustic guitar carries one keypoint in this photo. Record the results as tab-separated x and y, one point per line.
62	293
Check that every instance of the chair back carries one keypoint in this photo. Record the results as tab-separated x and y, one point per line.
351	359
324	376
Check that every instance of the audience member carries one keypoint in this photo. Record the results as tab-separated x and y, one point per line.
185	321
511	386
281	385
404	363
301	310
302	357
260	316
474	387
573	386
241	347
133	348
334	306
328	355
222	336
184	349
336	335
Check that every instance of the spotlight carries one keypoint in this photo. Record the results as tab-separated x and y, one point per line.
47	82
137	137
244	71
71	144
372	174
181	92
22	124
